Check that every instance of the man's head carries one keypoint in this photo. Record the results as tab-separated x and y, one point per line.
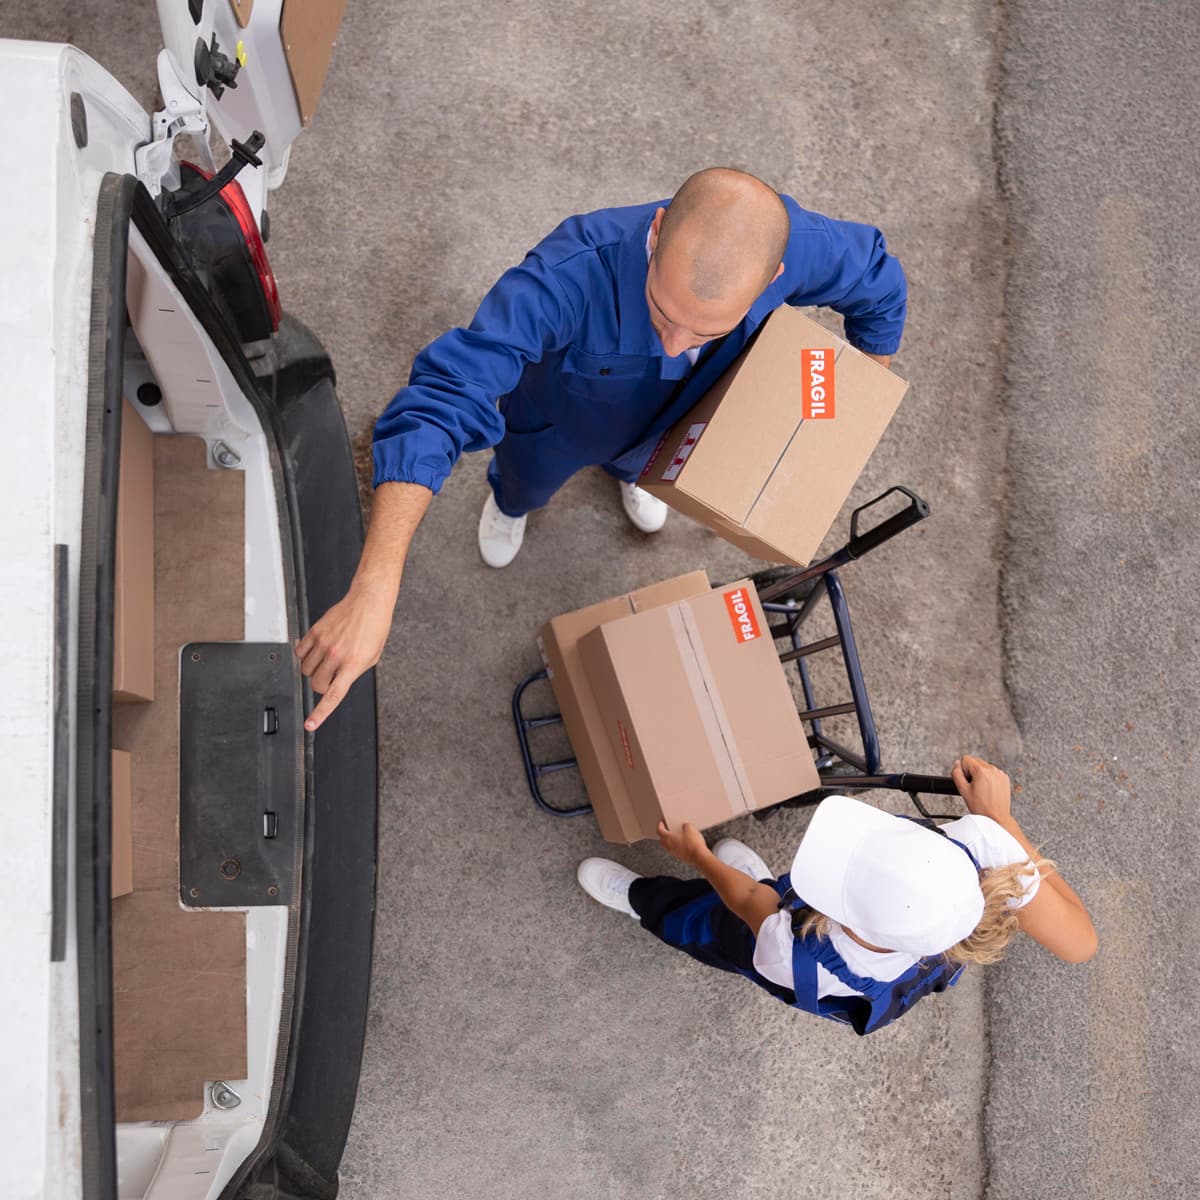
714	250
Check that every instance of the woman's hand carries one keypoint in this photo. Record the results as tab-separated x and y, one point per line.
1055	917
688	845
985	788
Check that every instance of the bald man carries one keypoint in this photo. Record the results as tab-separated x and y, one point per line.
584	355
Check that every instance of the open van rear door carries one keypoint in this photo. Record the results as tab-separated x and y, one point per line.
241	66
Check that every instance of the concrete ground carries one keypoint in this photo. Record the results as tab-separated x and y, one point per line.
525	1042
1093	1088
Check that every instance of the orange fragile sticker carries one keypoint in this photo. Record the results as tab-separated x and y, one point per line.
816	383
742	615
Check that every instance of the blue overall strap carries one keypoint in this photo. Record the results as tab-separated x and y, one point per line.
929	975
930	824
804	966
881	1001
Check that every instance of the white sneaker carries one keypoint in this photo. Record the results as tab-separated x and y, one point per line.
648	513
500	537
608	882
737	854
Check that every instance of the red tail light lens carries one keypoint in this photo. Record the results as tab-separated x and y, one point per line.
236	200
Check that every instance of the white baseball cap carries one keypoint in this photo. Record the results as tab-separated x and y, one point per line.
895	883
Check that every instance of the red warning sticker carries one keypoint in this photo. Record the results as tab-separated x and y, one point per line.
742	615
671	472
625	744
662	441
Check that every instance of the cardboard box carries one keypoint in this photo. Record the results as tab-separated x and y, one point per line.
133	590
697	709
122	823
558	642
769	454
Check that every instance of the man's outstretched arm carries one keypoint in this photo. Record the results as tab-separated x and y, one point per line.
448	407
350	637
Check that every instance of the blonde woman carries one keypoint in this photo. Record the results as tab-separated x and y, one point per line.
877	910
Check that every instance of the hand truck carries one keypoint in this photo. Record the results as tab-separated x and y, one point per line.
792	595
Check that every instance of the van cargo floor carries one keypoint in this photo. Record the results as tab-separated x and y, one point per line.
179	976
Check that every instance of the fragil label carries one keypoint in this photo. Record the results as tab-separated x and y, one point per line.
742	615
816	381
686	447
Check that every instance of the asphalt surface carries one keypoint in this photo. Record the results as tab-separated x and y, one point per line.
1035	174
1093	1089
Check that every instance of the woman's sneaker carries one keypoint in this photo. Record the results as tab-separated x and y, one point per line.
737	854
608	882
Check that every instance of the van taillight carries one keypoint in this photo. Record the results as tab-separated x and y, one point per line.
235	200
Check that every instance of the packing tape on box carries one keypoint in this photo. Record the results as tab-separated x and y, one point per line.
715	720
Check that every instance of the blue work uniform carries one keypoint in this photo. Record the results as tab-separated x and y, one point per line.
561	367
689	915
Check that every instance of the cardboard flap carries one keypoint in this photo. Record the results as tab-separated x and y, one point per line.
761	727
660	737
669	590
699	674
619	819
823	464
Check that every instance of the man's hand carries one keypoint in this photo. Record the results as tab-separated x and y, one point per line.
985	788
884	360
687	845
350	637
344	643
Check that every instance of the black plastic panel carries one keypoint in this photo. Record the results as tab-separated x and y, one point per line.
59	850
239	776
340	882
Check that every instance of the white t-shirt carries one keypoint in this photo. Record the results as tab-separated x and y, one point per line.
992	845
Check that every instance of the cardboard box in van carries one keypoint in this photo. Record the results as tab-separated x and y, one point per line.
133	584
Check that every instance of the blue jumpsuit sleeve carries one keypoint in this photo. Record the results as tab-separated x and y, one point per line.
449	405
846	266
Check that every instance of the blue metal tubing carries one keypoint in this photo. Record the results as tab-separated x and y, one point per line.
858	686
795	619
533	771
825	574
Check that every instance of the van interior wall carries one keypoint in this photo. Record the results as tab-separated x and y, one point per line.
179	976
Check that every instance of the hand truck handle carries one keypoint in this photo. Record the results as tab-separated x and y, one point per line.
916	510
932	785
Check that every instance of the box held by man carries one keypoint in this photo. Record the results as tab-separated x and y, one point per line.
769	454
